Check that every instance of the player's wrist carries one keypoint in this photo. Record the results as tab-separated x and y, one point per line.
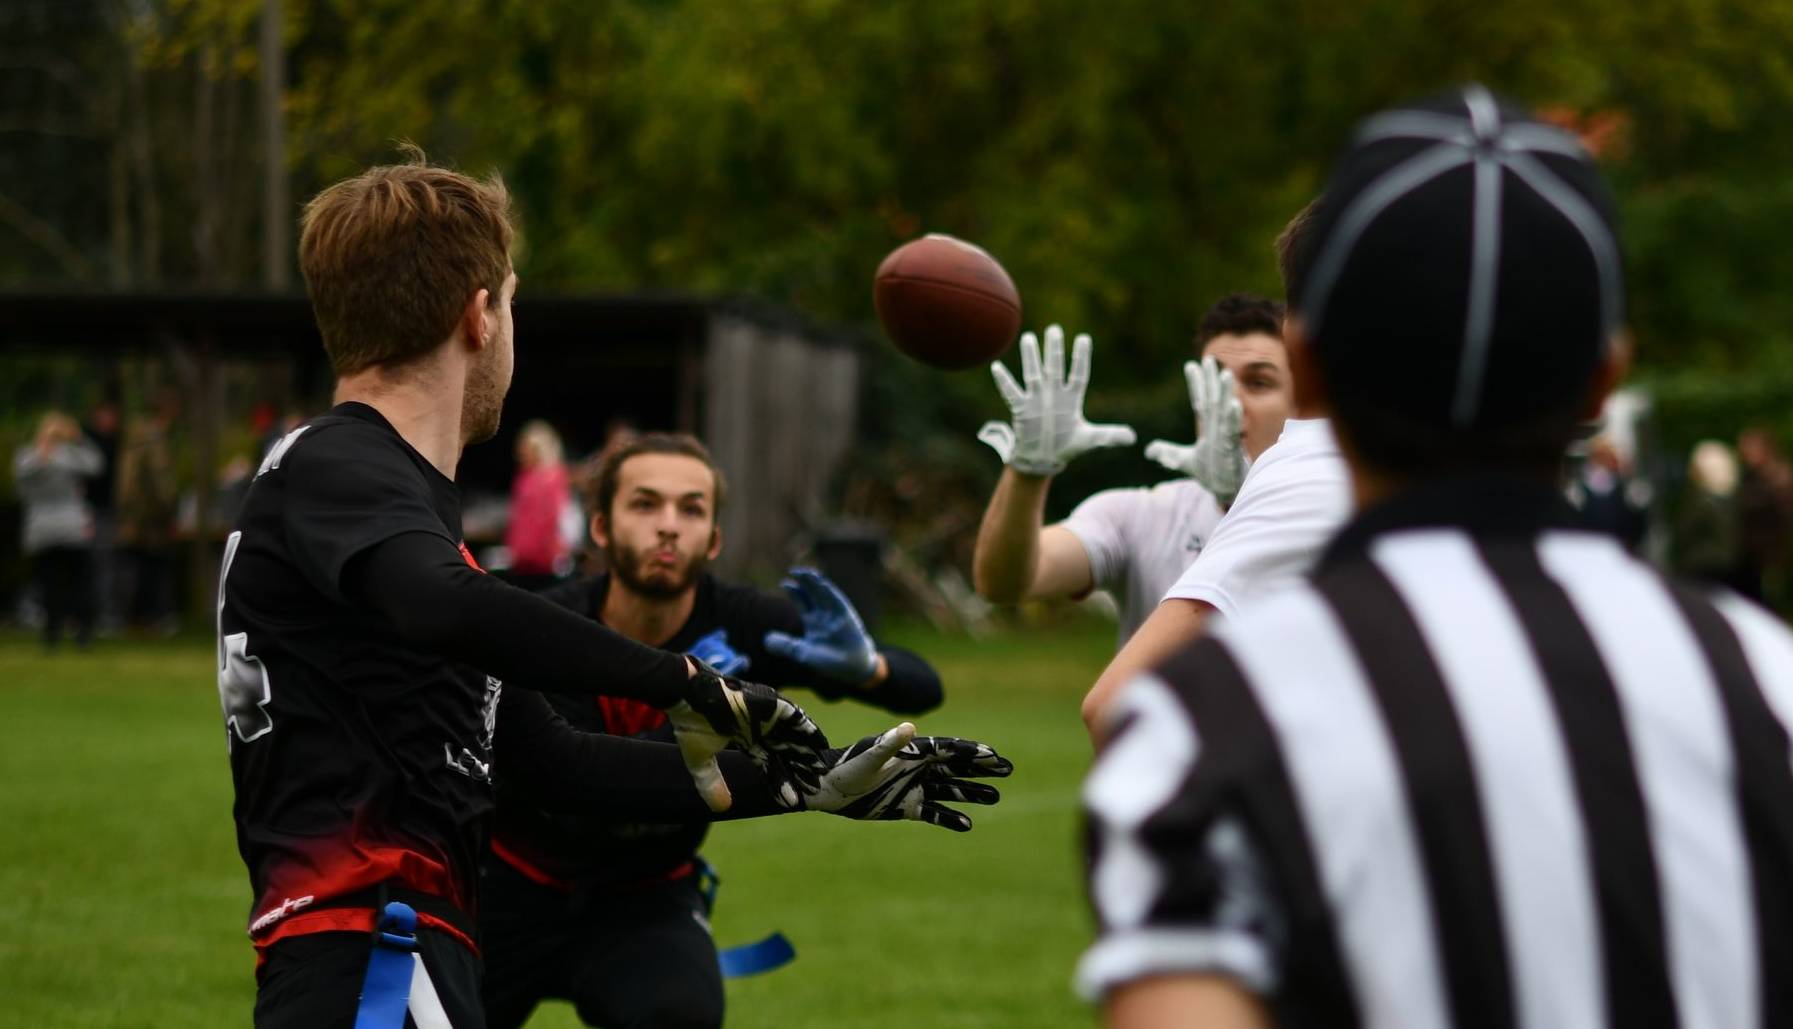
880	673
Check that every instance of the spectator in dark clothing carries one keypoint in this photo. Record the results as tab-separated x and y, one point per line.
1765	509
52	474
146	501
1610	499
1706	545
102	430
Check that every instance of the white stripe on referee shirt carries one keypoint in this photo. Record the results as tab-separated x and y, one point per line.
1312	689
1682	749
1522	771
1766	648
1141	771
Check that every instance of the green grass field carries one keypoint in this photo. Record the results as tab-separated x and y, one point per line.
122	899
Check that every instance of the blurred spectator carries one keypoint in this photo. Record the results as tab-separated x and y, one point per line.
1765	509
102	430
1610	499
540	496
1708	542
52	475
147	497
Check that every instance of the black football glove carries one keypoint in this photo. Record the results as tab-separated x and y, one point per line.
900	775
719	710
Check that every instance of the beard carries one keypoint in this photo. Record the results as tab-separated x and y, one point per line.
626	566
482	404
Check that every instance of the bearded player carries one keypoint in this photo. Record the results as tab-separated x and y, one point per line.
607	910
356	636
1131	542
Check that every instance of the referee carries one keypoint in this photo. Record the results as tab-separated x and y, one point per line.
1484	769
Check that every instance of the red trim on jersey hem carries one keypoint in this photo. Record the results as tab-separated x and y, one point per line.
527	869
348	920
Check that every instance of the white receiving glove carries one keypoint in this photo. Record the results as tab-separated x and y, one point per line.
1049	429
1217	460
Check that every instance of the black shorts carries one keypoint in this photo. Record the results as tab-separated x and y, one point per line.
314	982
628	957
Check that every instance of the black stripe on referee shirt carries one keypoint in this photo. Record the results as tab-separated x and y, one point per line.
1633	945
1440	784
1765	798
1239	747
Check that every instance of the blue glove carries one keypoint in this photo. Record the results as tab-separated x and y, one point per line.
834	643
713	650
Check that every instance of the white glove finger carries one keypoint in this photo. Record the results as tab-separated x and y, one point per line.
1012	393
1211	392
1080	355
1192	374
1178	457
1001	438
895	739
707	774
1233	419
1108	436
865	769
1030	359
1055	355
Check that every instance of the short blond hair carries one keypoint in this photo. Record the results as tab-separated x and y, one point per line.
392	256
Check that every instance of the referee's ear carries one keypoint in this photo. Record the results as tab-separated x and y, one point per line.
1612	370
1311	399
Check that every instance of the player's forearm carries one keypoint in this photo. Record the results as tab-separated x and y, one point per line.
545	761
1008	540
1175	624
437	603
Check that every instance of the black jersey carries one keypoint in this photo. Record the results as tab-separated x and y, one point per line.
568	849
357	760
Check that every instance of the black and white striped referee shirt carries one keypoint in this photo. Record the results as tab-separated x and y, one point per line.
1485	769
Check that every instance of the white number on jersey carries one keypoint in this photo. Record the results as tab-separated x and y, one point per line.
243	688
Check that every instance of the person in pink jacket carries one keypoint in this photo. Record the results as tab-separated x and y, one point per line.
540	497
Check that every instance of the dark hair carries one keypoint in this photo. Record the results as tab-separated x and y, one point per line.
603	492
1295	251
1239	314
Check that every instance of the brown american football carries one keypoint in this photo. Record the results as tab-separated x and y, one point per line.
946	302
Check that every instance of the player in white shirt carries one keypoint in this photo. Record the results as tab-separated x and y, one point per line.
1296	496
1130	542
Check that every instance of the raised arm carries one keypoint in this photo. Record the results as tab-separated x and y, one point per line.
823	645
1016	557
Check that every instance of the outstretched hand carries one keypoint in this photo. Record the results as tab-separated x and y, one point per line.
898	775
834	641
718	711
1048	427
1217	459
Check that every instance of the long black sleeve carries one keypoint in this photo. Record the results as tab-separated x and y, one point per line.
559	767
911	688
435	601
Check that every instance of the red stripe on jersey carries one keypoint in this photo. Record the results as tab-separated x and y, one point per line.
347	920
527	868
625	717
467	556
345	868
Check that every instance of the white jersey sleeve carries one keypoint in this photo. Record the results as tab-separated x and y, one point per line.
1103	524
1296	496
